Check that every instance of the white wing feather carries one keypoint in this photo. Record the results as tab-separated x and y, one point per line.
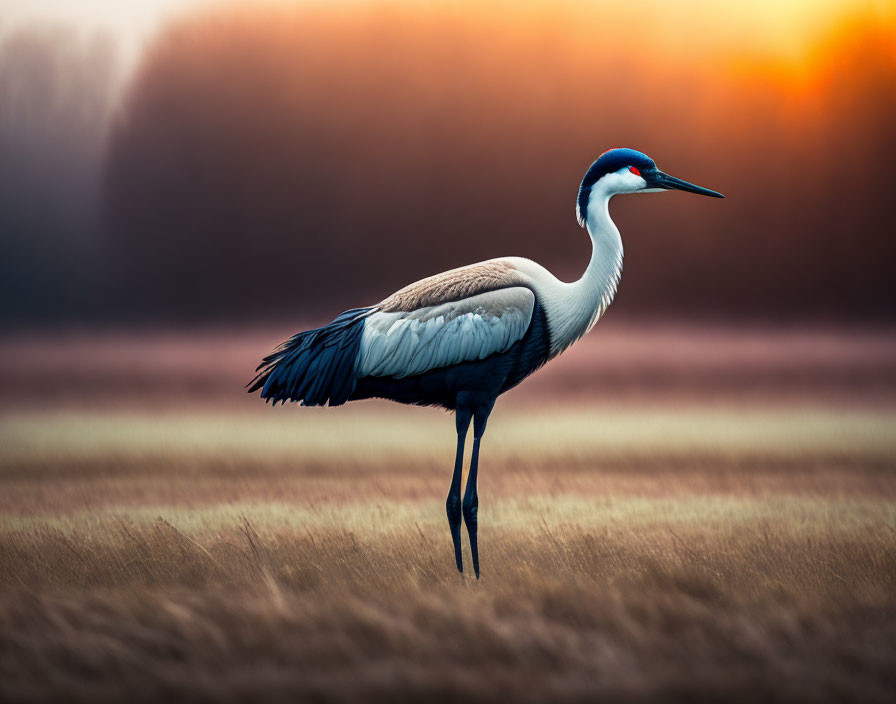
401	344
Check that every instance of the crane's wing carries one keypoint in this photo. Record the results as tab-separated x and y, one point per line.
400	343
461	315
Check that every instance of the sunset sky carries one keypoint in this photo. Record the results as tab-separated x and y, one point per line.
781	29
182	141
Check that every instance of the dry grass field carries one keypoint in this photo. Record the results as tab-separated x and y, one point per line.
652	529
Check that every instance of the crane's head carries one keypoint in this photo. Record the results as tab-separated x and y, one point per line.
629	171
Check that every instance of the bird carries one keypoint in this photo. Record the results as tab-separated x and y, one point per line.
459	339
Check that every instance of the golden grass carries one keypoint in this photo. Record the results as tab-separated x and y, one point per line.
691	554
766	609
384	433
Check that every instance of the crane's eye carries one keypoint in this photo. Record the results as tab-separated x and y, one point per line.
634	170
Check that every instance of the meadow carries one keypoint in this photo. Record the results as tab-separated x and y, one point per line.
664	516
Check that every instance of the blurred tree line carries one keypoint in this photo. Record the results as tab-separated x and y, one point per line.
295	162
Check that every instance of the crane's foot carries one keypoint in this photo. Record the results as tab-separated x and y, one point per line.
453	509
471	511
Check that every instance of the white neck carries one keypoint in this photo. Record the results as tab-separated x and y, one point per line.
592	294
572	309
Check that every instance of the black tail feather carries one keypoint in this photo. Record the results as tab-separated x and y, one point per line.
316	366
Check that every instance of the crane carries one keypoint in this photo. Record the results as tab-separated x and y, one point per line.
460	339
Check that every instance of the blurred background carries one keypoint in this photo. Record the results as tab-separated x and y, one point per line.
223	163
696	502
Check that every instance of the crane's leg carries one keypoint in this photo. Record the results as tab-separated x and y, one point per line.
453	504
471	495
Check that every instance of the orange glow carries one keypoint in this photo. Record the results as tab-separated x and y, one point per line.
251	127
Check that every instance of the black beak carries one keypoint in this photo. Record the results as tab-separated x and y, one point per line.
657	179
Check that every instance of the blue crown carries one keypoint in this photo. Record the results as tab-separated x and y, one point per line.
608	162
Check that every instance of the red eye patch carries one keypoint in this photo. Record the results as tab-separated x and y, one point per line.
634	170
